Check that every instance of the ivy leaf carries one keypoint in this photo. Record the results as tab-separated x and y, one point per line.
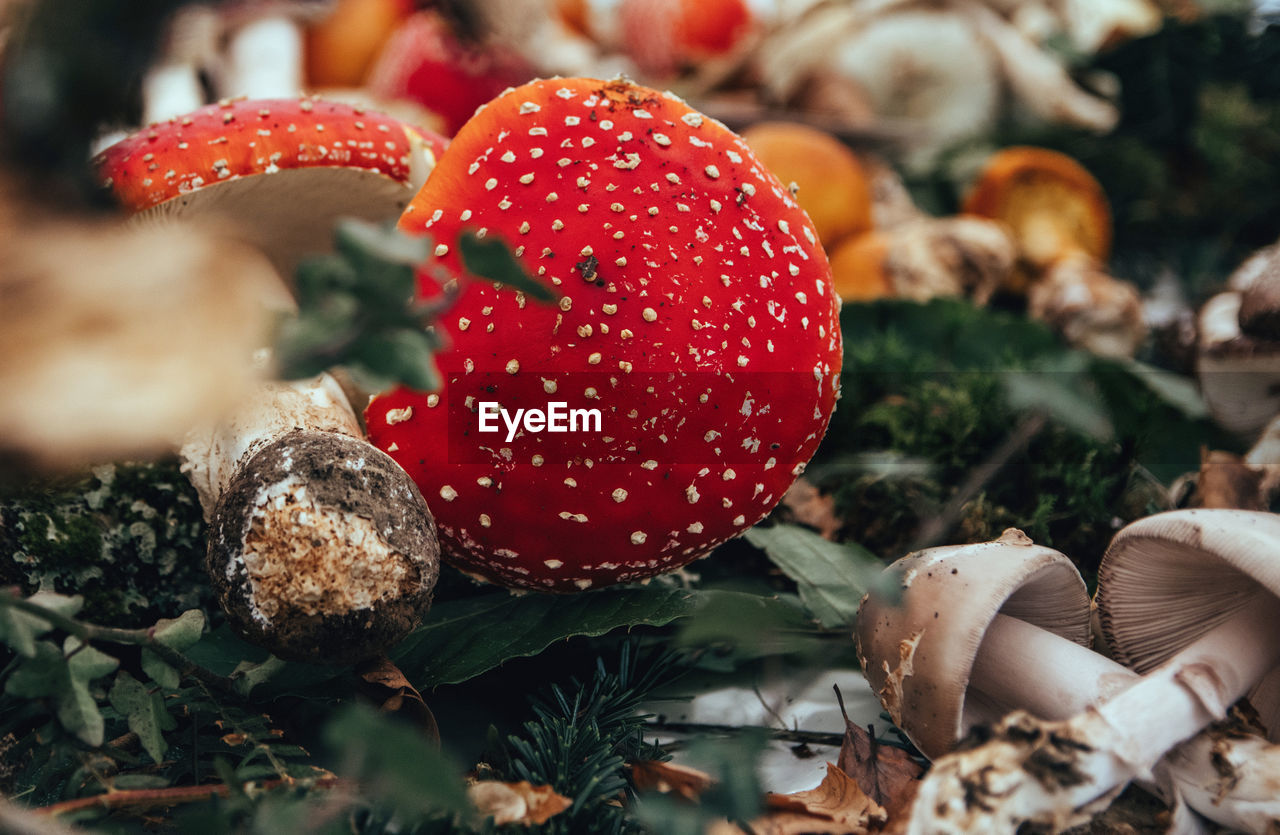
249	674
19	629
404	355
464	638
492	259
178	634
145	711
358	308
831	577
63	676
403	769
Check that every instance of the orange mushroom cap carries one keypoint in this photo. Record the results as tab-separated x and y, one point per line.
833	187
1051	203
859	270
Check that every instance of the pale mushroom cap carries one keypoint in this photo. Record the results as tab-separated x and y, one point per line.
1169	578
1238	374
918	655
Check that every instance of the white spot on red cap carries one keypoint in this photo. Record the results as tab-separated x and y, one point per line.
395	416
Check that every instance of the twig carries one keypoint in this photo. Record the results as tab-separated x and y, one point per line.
813	737
143	799
782	723
90	632
933	529
15	820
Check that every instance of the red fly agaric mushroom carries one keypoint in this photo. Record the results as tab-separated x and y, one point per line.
987	628
1189	598
280	172
696	314
426	62
665	36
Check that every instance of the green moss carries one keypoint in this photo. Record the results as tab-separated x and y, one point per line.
128	537
927	399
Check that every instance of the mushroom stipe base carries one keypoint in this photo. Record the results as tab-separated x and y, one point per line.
322	549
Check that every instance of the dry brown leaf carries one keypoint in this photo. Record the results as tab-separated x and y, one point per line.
1226	481
382	683
669	778
810	507
889	775
522	803
838	806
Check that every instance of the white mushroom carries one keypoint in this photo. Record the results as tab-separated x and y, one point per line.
1238	364
988	628
1213	576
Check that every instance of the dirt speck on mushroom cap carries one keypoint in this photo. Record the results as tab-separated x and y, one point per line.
696	313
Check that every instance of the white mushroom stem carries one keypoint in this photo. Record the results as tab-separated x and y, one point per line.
264	59
1021	666
1056	773
172	86
213	455
169	90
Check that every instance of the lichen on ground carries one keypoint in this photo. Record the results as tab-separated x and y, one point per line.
128	537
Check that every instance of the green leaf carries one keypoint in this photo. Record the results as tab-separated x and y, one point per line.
830	577
362	243
1177	391
19	629
250	674
145	712
63	676
403	355
492	259
764	625
463	638
178	634
77	709
1062	389
43	674
394	764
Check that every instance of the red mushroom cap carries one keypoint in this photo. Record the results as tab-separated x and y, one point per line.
326	160
425	62
664	36
696	313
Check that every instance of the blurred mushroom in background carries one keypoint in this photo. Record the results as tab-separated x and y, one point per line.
117	338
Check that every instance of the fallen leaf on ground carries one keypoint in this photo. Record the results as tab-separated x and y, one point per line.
382	683
811	507
887	774
669	778
522	803
1225	480
836	807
